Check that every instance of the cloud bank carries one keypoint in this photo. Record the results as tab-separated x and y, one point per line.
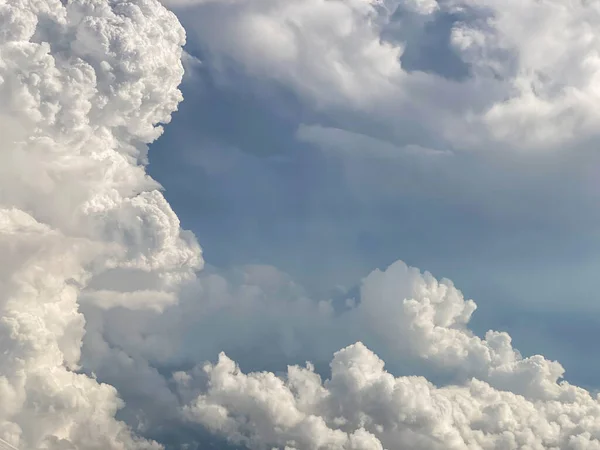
99	294
486	394
83	85
364	407
501	400
531	67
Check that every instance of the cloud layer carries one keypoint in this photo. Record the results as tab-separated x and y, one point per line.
532	68
98	280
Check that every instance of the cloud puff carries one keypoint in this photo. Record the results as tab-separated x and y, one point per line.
91	251
364	407
83	85
500	400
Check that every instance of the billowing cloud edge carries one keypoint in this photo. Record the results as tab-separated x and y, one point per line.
498	398
83	87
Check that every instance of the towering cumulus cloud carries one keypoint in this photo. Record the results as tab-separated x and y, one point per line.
83	85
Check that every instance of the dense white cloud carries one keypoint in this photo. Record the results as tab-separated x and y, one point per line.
364	407
93	260
83	85
496	399
500	400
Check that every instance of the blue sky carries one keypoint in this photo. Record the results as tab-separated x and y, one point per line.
517	233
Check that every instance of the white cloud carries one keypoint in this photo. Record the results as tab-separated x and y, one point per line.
328	50
364	407
422	326
499	400
84	230
83	85
533	83
545	53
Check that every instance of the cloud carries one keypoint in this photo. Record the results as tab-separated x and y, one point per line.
498	398
362	145
292	39
420	324
83	86
506	192
527	88
98	280
361	406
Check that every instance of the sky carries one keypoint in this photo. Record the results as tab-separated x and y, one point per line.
263	176
299	224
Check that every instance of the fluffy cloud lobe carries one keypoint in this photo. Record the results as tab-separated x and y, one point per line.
83	85
501	400
364	407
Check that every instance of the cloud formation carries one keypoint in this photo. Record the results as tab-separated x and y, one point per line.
503	401
98	280
83	85
486	394
532	66
364	407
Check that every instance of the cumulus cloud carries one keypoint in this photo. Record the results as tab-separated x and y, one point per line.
98	280
532	67
487	393
361	406
502	400
83	86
